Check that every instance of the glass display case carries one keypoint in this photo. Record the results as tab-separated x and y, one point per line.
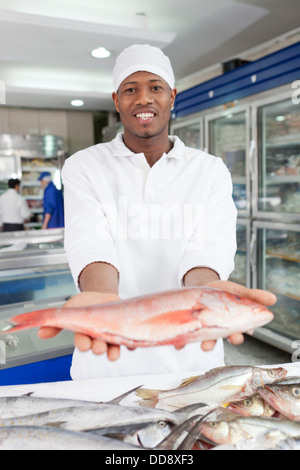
228	137
25	157
33	265
241	273
190	132
34	274
278	160
277	269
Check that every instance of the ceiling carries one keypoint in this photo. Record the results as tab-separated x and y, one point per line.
45	45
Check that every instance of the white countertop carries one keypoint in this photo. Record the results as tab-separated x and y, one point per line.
108	388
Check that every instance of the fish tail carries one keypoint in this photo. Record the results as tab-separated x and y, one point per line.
28	320
149	398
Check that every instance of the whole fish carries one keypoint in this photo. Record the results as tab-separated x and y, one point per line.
284	398
215	388
16	406
174	317
232	431
93	417
251	406
49	438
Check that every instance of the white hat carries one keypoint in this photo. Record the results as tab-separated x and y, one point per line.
142	57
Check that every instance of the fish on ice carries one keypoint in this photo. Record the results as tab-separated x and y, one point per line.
216	387
174	317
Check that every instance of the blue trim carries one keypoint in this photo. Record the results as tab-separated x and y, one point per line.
274	70
50	370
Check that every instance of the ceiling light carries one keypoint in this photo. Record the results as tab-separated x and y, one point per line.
77	103
100	53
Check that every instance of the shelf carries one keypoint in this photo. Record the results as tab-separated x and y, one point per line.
39	168
278	179
285	294
283	256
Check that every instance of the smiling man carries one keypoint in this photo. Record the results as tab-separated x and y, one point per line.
145	214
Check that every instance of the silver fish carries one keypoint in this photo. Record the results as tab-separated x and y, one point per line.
93	417
251	406
216	387
231	431
284	398
49	438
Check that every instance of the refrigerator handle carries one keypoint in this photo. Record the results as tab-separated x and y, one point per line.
253	261
251	158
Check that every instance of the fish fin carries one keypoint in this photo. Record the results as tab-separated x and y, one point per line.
29	320
149	397
118	399
188	381
55	424
28	394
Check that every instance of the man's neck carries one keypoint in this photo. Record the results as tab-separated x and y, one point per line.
152	147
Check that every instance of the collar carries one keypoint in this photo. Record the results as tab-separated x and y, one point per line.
120	149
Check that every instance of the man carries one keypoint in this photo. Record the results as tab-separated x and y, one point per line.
146	214
53	203
13	208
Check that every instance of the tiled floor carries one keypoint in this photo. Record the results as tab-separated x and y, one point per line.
254	352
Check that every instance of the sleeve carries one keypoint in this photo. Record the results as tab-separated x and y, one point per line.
24	209
88	237
213	244
49	200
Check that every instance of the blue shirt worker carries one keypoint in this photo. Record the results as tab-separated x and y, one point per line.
53	203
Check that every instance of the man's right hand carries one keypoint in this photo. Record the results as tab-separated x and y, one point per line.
83	342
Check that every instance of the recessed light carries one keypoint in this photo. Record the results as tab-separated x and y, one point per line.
100	53
280	118
77	103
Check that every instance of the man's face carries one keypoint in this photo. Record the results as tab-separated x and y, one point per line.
144	101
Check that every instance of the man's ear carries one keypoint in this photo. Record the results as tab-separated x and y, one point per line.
116	101
173	96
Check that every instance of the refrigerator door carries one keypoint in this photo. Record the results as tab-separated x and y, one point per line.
278	270
277	184
228	137
190	131
241	273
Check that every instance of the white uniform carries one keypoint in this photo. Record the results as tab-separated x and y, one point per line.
153	224
13	208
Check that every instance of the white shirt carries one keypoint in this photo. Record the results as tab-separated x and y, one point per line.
153	224
13	208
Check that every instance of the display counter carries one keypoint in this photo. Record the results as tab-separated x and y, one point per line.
34	274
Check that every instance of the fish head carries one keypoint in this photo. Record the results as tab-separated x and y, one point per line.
263	376
151	435
250	406
284	398
215	431
228	308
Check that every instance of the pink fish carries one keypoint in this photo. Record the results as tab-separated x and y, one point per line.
174	317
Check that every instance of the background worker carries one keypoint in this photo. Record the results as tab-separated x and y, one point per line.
13	208
118	196
53	203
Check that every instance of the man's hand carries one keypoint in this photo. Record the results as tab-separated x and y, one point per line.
83	342
256	295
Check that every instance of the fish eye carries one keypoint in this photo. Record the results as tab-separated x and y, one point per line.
271	373
213	424
248	402
161	424
296	391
